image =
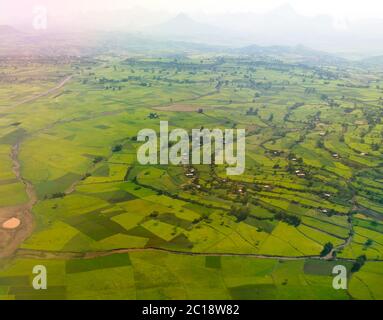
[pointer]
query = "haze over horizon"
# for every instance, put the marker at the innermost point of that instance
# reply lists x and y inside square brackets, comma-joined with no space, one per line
[333,26]
[346,9]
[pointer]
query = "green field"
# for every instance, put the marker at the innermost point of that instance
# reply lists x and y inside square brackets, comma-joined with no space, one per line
[107,227]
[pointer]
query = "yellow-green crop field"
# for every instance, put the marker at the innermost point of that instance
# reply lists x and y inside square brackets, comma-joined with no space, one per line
[107,227]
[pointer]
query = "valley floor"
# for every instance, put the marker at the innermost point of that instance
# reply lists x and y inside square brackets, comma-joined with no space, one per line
[107,227]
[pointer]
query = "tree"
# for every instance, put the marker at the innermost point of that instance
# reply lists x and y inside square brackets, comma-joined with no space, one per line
[368,243]
[320,144]
[252,112]
[58,195]
[153,115]
[289,219]
[328,247]
[360,261]
[323,97]
[241,213]
[154,214]
[97,159]
[117,148]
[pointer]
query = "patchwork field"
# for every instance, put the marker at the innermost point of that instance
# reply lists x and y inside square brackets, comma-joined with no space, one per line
[107,227]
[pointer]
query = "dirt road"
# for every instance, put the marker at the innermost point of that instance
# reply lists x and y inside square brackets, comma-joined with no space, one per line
[43,94]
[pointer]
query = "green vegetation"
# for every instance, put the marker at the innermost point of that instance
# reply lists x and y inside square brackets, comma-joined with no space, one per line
[328,247]
[313,181]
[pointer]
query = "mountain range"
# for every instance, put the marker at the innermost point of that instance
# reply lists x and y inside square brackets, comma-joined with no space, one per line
[282,26]
[281,31]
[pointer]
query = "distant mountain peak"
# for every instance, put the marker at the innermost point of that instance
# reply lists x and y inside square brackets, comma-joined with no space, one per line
[183,24]
[181,19]
[182,16]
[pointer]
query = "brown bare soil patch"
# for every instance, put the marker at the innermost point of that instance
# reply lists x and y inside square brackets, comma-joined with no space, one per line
[179,108]
[11,224]
[21,220]
[10,239]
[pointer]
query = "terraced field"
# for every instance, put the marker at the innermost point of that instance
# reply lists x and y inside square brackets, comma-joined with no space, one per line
[107,227]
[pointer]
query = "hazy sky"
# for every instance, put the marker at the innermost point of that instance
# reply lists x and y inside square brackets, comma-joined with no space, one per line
[339,30]
[351,9]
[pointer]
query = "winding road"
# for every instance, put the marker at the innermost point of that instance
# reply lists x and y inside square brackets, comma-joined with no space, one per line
[45,93]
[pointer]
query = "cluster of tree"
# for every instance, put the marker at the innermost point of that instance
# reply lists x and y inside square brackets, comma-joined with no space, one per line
[98,159]
[332,103]
[289,219]
[104,80]
[320,143]
[119,88]
[292,156]
[368,243]
[117,148]
[264,85]
[240,212]
[252,112]
[326,74]
[324,97]
[205,218]
[85,176]
[296,105]
[328,247]
[57,195]
[373,196]
[154,214]
[359,263]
